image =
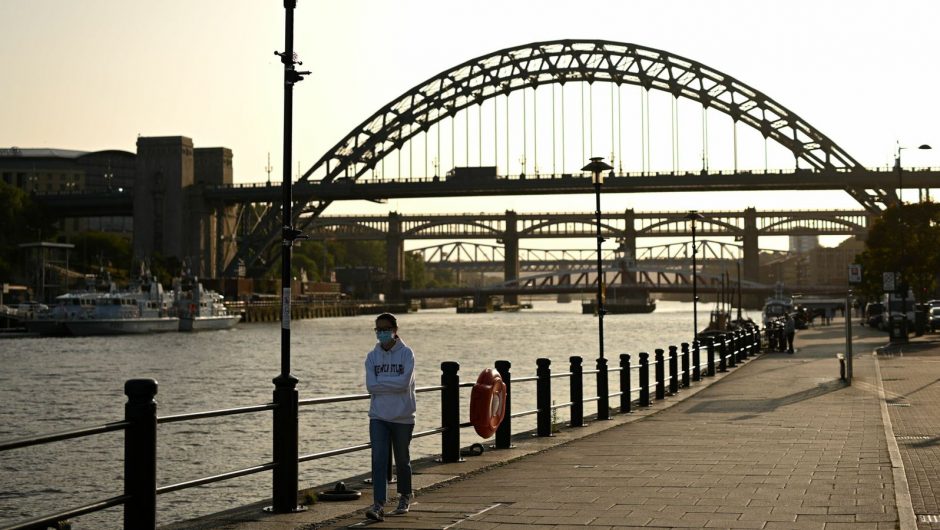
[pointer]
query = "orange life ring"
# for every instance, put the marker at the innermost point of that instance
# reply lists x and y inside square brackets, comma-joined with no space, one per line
[487,403]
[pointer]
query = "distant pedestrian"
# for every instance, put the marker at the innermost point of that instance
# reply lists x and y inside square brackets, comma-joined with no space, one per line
[390,381]
[789,328]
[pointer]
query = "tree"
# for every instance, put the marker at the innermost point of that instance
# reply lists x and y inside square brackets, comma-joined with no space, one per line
[24,221]
[904,239]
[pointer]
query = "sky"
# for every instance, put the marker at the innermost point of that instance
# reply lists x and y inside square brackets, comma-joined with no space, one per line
[95,74]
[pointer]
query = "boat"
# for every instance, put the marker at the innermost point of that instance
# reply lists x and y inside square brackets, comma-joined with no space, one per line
[51,321]
[200,309]
[622,300]
[143,308]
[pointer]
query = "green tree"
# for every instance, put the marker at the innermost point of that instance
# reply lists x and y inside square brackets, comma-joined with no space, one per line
[904,239]
[96,252]
[23,221]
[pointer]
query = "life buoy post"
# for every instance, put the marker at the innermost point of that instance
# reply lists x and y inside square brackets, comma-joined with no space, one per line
[487,403]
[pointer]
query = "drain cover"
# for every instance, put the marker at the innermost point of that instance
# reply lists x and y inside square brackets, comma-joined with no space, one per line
[928,518]
[913,437]
[899,404]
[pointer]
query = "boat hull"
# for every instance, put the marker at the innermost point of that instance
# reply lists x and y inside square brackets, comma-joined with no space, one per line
[208,323]
[47,327]
[129,326]
[620,308]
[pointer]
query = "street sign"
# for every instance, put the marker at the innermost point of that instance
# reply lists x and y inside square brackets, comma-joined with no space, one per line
[855,273]
[888,281]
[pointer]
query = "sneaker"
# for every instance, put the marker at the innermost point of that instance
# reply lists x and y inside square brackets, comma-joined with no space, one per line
[404,503]
[376,512]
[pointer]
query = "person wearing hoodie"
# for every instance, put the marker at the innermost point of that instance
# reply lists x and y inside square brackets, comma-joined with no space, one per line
[390,381]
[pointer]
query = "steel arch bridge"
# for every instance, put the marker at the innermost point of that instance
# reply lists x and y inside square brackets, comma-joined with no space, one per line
[553,62]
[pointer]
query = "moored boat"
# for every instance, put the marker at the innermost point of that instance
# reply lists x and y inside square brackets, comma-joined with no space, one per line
[143,309]
[622,301]
[200,309]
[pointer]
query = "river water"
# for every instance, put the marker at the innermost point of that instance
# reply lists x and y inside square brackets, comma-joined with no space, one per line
[52,384]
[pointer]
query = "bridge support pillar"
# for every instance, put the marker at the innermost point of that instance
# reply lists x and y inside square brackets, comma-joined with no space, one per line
[751,266]
[394,258]
[627,248]
[510,241]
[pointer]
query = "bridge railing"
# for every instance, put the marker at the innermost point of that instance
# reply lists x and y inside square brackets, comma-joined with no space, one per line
[679,368]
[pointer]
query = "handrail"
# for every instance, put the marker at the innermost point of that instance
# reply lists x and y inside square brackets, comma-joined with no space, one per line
[63,435]
[215,478]
[44,521]
[215,413]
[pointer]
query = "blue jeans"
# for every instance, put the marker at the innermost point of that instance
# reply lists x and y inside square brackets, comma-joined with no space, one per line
[381,433]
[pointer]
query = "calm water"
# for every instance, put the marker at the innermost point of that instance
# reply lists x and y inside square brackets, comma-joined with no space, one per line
[54,384]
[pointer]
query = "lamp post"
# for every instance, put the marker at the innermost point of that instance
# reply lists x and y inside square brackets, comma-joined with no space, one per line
[692,217]
[903,254]
[597,166]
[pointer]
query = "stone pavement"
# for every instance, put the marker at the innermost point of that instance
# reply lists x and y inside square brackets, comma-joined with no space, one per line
[779,442]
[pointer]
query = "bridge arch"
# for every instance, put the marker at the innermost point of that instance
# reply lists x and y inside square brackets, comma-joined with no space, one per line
[798,221]
[532,65]
[485,229]
[589,226]
[732,229]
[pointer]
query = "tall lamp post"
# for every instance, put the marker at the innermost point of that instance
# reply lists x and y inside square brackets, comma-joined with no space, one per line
[903,254]
[692,217]
[597,166]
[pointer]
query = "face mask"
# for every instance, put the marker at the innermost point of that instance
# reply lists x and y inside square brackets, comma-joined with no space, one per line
[384,336]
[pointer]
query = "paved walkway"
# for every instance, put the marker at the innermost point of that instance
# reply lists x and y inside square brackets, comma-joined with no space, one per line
[779,442]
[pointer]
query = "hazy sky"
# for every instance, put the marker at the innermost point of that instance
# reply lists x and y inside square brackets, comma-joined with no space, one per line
[93,74]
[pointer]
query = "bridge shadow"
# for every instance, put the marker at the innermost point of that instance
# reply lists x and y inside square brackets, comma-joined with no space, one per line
[751,408]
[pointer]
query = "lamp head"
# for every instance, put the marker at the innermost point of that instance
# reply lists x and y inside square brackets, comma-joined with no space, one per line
[924,146]
[693,216]
[597,167]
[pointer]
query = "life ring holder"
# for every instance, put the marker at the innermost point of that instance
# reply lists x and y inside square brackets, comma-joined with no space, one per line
[339,493]
[487,403]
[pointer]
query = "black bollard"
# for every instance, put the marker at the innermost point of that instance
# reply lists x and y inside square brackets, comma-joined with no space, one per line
[504,431]
[686,376]
[285,451]
[722,352]
[625,391]
[140,454]
[710,368]
[450,412]
[696,360]
[730,352]
[660,374]
[644,379]
[673,370]
[603,393]
[543,396]
[577,392]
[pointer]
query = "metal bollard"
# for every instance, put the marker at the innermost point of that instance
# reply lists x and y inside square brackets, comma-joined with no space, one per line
[577,392]
[673,370]
[710,369]
[686,382]
[450,412]
[140,454]
[660,374]
[285,450]
[730,352]
[504,431]
[722,351]
[625,391]
[543,396]
[696,360]
[644,379]
[603,393]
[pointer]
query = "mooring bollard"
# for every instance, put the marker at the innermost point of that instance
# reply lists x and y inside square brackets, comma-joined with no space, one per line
[730,352]
[722,353]
[504,431]
[603,393]
[140,454]
[673,370]
[710,369]
[660,374]
[577,392]
[625,392]
[450,412]
[696,360]
[644,379]
[686,376]
[543,396]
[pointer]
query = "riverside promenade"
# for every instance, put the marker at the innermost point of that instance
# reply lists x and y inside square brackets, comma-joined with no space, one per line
[778,442]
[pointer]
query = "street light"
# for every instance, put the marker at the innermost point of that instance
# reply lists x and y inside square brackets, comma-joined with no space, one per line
[597,166]
[692,217]
[903,284]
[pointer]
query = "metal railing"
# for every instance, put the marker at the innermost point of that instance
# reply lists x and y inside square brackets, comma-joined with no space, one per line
[140,419]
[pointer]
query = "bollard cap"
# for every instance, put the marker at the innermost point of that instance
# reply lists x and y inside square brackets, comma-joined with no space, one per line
[543,362]
[140,388]
[450,367]
[575,359]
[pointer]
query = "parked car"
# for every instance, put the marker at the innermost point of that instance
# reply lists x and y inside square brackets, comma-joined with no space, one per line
[874,313]
[933,320]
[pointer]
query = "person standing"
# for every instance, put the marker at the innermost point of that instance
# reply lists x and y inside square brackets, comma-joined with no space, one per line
[390,381]
[789,328]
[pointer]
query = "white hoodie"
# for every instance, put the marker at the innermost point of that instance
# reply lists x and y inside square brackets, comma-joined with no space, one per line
[390,379]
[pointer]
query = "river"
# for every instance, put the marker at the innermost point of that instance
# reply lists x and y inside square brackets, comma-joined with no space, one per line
[52,384]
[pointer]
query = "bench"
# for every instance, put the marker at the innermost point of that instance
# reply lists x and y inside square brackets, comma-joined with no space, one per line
[841,358]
